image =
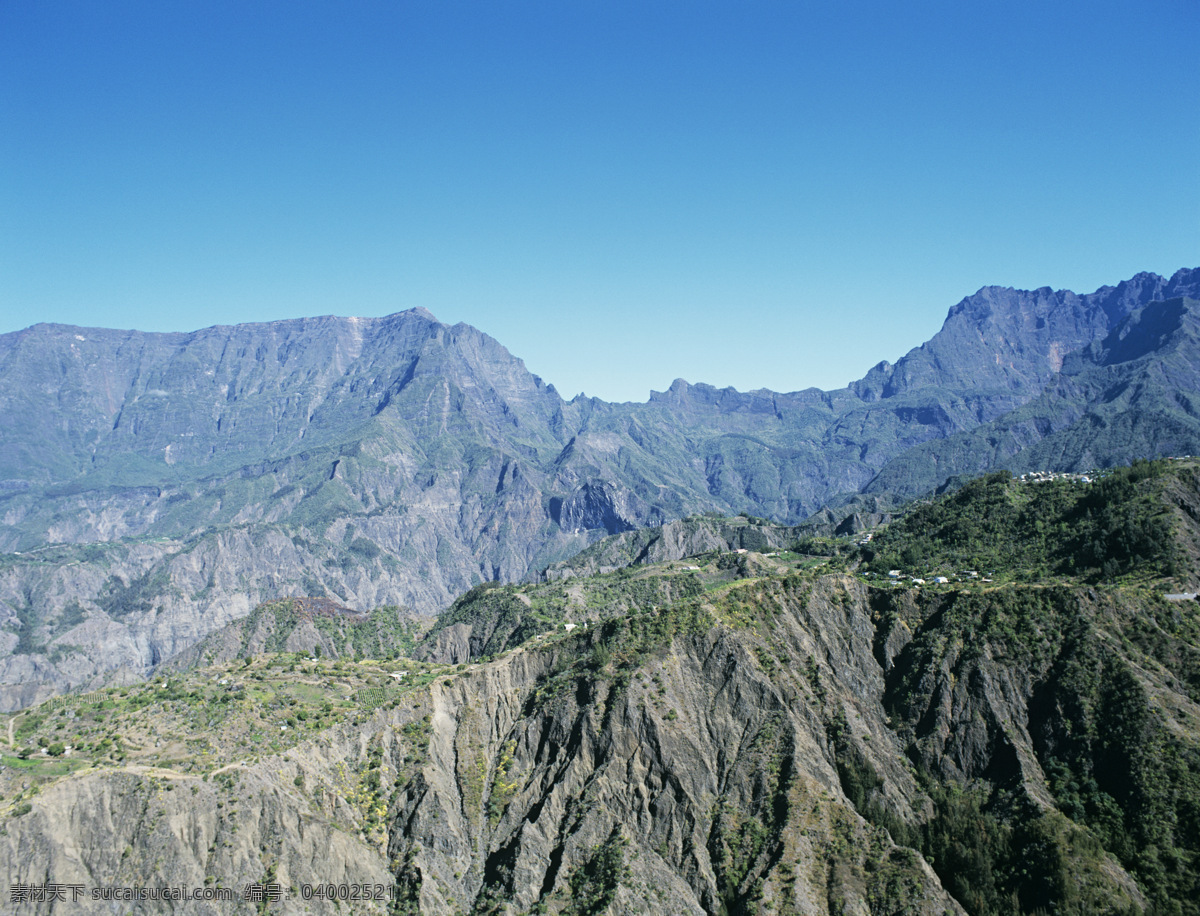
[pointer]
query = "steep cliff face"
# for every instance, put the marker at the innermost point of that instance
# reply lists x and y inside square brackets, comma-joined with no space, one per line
[723,734]
[223,397]
[797,743]
[1132,392]
[1003,339]
[148,828]
[677,775]
[78,617]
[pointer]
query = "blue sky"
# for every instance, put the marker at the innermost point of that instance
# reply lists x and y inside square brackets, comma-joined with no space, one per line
[751,193]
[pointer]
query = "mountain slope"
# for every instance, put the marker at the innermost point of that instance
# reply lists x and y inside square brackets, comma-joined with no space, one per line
[1016,340]
[730,738]
[1133,393]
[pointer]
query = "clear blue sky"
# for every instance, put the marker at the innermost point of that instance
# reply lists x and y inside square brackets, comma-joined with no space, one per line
[748,193]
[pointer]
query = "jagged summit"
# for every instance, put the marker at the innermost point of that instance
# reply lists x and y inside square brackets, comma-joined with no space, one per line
[419,312]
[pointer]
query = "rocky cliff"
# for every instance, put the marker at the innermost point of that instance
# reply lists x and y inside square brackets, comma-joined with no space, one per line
[1131,393]
[674,541]
[735,738]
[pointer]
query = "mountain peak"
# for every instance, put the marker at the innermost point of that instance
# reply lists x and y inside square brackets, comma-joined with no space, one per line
[418,312]
[1014,341]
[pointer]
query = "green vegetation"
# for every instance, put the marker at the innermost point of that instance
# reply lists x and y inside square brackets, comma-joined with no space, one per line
[1029,862]
[1126,784]
[499,619]
[209,718]
[502,792]
[120,598]
[1114,767]
[1117,526]
[1070,654]
[503,617]
[383,633]
[594,884]
[1124,776]
[739,838]
[618,648]
[822,546]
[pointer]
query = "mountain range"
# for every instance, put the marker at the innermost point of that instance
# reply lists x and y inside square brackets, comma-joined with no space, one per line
[156,487]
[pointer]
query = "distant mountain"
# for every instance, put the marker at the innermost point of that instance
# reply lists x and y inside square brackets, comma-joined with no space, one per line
[154,487]
[1134,393]
[1003,339]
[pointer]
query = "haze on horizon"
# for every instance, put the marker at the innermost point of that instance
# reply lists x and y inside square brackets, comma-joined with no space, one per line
[770,195]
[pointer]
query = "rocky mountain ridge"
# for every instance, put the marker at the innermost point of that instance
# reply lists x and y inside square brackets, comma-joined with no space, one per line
[1133,391]
[157,487]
